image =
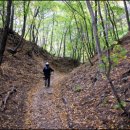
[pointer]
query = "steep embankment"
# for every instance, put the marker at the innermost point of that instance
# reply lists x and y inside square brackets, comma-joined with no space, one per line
[19,72]
[73,101]
[92,104]
[23,71]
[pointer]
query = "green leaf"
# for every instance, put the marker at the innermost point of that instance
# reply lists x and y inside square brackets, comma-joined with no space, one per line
[77,88]
[118,106]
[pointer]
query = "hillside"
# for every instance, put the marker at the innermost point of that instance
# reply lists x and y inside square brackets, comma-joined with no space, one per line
[23,71]
[72,101]
[86,45]
[92,104]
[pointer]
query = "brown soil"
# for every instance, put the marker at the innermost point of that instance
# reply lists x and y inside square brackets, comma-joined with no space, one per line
[24,72]
[94,105]
[43,105]
[72,101]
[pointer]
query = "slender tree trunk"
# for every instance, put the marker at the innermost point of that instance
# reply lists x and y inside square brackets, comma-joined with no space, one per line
[43,32]
[24,25]
[3,13]
[37,30]
[78,32]
[12,17]
[33,33]
[80,54]
[114,33]
[61,43]
[64,49]
[76,47]
[127,15]
[84,47]
[70,33]
[117,97]
[106,25]
[87,34]
[52,33]
[33,22]
[5,33]
[113,21]
[106,41]
[95,31]
[121,23]
[96,8]
[109,64]
[30,33]
[92,39]
[83,53]
[70,38]
[46,39]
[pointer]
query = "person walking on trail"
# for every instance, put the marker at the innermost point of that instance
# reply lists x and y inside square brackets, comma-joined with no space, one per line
[47,73]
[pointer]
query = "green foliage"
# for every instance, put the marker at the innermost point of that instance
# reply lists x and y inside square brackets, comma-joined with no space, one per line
[71,16]
[119,105]
[117,9]
[105,63]
[118,54]
[77,88]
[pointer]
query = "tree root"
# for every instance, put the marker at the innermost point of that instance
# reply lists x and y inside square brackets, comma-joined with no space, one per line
[4,101]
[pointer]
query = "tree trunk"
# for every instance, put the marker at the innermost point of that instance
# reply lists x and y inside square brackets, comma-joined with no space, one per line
[92,39]
[70,39]
[95,31]
[108,69]
[24,26]
[33,21]
[61,42]
[64,49]
[106,25]
[117,97]
[127,15]
[37,30]
[30,33]
[46,38]
[52,33]
[106,41]
[121,23]
[24,23]
[33,35]
[5,33]
[96,20]
[3,13]
[113,21]
[60,45]
[12,17]
[113,28]
[87,34]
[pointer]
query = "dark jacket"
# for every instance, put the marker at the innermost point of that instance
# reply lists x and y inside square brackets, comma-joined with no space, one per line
[47,71]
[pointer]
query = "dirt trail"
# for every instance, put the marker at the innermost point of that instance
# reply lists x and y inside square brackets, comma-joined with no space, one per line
[44,105]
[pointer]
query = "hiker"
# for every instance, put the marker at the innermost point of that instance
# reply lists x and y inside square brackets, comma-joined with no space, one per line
[47,73]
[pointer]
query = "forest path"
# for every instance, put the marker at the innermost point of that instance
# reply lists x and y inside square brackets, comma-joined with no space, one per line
[44,107]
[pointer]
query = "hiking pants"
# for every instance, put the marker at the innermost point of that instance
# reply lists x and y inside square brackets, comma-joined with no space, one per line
[47,81]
